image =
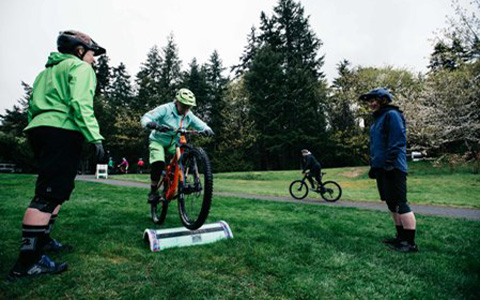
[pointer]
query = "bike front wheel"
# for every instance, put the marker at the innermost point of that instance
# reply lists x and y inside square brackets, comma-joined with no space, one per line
[195,191]
[298,189]
[331,191]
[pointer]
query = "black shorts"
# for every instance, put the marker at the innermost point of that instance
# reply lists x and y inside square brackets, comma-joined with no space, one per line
[392,186]
[57,156]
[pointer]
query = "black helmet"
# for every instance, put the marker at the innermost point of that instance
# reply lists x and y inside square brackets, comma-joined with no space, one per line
[68,40]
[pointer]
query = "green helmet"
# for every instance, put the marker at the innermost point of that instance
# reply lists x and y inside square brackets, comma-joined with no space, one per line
[186,96]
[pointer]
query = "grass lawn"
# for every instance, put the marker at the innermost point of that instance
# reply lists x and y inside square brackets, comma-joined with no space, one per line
[279,251]
[426,184]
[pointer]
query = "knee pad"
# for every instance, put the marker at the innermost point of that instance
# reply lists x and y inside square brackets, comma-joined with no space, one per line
[403,208]
[45,205]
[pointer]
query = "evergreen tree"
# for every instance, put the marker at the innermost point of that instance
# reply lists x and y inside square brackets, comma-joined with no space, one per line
[148,81]
[448,57]
[248,53]
[127,138]
[340,110]
[216,85]
[104,111]
[195,80]
[104,74]
[16,119]
[264,84]
[120,92]
[170,70]
[290,77]
[238,135]
[460,42]
[14,146]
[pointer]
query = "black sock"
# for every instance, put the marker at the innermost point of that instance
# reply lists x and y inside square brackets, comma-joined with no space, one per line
[409,236]
[32,244]
[400,232]
[49,229]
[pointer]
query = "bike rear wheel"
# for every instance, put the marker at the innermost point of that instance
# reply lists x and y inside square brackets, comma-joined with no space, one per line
[331,191]
[158,208]
[195,192]
[298,189]
[158,211]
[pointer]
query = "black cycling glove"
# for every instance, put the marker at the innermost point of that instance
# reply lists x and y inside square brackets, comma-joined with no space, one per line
[99,152]
[158,127]
[208,132]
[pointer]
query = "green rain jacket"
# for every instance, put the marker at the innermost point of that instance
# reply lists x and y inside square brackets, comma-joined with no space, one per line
[166,114]
[63,97]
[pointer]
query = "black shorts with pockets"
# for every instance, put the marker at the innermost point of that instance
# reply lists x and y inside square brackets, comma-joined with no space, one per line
[57,155]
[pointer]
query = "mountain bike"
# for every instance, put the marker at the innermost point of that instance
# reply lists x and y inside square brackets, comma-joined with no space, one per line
[329,190]
[187,178]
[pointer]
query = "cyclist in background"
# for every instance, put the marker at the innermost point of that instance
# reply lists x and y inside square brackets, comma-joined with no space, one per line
[140,164]
[163,121]
[309,162]
[110,164]
[124,165]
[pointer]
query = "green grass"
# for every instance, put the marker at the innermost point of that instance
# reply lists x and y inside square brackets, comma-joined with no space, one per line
[279,251]
[426,184]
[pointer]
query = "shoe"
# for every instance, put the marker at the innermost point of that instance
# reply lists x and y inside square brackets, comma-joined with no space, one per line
[44,266]
[405,247]
[392,241]
[55,247]
[152,197]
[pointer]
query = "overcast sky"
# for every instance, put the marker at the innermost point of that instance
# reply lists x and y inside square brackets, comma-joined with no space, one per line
[367,33]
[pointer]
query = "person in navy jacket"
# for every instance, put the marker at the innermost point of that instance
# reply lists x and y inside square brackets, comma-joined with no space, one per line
[388,165]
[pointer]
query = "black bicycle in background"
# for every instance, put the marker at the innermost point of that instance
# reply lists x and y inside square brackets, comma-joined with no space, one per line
[329,190]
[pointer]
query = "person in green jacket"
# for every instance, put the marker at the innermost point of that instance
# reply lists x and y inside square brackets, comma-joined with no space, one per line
[163,121]
[60,119]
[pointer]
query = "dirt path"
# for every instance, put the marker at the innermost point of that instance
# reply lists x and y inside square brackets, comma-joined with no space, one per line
[465,213]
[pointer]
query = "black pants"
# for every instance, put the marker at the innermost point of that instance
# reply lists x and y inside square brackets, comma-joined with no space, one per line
[57,155]
[314,173]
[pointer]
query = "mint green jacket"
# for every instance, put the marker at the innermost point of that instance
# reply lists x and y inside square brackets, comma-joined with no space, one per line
[62,97]
[167,114]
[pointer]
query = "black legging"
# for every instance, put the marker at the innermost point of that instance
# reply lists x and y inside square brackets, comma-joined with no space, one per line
[316,174]
[156,170]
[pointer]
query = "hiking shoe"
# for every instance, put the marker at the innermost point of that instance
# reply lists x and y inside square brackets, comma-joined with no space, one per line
[152,197]
[44,266]
[55,246]
[405,247]
[392,241]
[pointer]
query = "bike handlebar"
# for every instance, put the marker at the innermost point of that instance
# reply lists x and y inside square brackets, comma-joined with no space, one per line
[183,131]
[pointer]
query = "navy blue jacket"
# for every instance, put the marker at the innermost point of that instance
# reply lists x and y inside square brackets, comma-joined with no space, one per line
[388,139]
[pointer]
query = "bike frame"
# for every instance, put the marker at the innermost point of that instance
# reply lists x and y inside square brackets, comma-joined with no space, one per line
[317,184]
[175,164]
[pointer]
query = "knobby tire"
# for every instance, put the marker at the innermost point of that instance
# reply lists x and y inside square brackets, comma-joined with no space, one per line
[334,188]
[189,194]
[298,189]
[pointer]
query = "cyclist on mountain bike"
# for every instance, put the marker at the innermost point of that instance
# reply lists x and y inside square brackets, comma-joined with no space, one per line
[163,121]
[124,165]
[309,162]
